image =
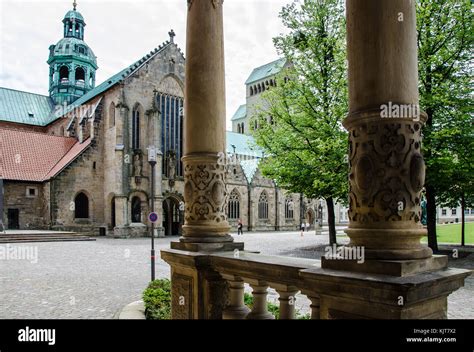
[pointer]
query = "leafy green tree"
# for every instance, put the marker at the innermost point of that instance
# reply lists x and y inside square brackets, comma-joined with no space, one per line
[445,42]
[300,120]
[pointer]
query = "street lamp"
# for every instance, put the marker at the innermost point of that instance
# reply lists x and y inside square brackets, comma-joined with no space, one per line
[152,152]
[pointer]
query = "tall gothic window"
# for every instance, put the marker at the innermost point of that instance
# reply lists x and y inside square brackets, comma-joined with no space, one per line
[172,117]
[263,206]
[136,128]
[233,207]
[289,209]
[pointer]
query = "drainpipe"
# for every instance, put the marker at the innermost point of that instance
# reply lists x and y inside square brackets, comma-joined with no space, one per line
[277,215]
[249,208]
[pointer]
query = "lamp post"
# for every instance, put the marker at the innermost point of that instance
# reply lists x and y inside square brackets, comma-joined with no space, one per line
[152,161]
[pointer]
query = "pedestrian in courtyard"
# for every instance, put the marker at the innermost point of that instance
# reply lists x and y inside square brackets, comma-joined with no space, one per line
[302,228]
[240,228]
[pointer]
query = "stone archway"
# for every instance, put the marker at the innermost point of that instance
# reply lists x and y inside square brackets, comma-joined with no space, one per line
[173,217]
[310,217]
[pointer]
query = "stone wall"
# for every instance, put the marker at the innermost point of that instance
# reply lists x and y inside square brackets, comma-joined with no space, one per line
[33,210]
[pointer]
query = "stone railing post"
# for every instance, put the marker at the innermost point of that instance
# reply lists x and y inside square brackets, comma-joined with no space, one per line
[259,308]
[236,308]
[287,300]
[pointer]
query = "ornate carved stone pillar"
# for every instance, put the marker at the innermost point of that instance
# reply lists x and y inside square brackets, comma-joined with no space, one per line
[206,228]
[204,127]
[387,170]
[386,177]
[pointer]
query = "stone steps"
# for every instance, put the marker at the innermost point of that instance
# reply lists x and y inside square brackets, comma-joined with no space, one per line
[43,237]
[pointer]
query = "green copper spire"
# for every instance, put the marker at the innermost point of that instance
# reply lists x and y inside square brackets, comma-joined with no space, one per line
[72,63]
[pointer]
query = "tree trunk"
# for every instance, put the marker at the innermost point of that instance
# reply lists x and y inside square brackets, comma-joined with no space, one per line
[463,205]
[431,218]
[331,221]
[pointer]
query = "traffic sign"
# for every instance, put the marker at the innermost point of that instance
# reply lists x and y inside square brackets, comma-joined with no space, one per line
[153,217]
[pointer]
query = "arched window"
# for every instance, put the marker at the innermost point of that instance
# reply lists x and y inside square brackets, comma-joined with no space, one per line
[136,209]
[243,127]
[64,73]
[251,90]
[136,128]
[172,130]
[233,208]
[289,209]
[263,206]
[112,114]
[259,88]
[81,206]
[80,74]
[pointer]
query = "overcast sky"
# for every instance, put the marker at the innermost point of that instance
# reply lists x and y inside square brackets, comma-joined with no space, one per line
[122,31]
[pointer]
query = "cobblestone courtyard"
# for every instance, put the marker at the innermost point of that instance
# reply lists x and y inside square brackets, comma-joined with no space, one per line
[94,280]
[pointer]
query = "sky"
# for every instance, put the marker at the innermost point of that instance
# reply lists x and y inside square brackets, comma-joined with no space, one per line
[122,31]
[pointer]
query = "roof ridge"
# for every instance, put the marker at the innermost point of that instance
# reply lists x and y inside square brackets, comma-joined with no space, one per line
[120,75]
[269,63]
[33,132]
[66,153]
[24,91]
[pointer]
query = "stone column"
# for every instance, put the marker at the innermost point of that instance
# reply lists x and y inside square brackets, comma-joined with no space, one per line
[204,127]
[387,170]
[206,228]
[398,278]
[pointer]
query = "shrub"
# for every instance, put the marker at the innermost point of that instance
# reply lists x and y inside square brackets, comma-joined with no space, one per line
[273,308]
[157,300]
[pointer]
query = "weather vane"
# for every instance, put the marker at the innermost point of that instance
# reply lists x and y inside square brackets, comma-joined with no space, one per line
[74,4]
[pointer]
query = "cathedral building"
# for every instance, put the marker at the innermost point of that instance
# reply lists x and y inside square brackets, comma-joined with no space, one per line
[77,159]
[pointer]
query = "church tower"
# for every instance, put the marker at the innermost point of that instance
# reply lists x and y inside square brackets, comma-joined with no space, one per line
[72,64]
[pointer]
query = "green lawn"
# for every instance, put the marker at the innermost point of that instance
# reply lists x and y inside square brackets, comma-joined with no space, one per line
[451,233]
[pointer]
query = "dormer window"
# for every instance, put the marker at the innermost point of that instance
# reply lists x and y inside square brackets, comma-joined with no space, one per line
[31,114]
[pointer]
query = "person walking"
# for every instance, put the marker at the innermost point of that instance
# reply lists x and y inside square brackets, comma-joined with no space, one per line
[302,229]
[240,228]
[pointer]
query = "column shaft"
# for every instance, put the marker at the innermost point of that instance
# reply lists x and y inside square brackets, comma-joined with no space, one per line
[387,168]
[204,127]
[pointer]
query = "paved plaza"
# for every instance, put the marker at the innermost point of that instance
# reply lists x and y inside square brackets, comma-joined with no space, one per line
[94,280]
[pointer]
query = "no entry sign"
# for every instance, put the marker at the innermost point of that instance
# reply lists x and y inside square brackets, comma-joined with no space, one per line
[153,217]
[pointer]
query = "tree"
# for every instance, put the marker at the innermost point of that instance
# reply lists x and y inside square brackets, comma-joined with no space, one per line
[445,41]
[300,120]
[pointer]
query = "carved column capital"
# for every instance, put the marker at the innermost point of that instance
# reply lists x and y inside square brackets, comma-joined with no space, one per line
[205,197]
[387,174]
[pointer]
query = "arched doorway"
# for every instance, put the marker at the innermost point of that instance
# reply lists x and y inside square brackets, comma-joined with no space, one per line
[172,217]
[310,217]
[136,209]
[112,214]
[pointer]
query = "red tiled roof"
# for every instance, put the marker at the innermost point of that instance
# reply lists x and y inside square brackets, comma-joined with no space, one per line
[32,156]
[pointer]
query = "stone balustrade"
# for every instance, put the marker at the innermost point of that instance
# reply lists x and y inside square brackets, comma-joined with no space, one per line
[261,272]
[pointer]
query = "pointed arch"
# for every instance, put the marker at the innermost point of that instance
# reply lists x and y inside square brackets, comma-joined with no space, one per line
[263,206]
[233,205]
[137,117]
